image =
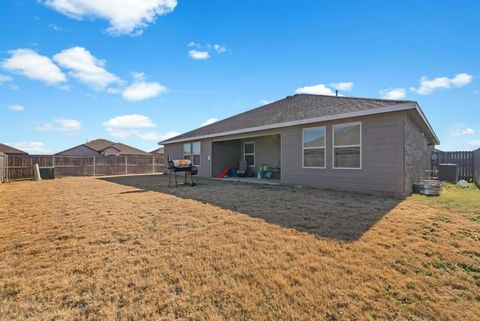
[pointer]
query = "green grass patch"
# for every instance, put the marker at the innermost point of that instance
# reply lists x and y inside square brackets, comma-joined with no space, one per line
[454,197]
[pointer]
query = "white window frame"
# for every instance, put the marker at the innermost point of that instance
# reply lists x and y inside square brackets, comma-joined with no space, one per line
[324,147]
[250,154]
[344,146]
[200,154]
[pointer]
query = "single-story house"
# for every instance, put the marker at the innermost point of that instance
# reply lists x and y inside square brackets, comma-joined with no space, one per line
[9,150]
[103,147]
[345,143]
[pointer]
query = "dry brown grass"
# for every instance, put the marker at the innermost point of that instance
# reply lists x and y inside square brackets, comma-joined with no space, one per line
[87,249]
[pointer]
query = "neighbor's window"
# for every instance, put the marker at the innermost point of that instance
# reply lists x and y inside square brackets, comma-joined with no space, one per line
[314,147]
[347,145]
[249,153]
[196,148]
[187,151]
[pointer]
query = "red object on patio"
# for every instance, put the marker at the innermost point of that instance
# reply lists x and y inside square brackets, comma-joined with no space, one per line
[224,172]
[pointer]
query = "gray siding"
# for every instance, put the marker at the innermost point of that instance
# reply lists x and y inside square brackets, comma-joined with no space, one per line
[267,150]
[175,151]
[79,151]
[476,166]
[394,154]
[382,157]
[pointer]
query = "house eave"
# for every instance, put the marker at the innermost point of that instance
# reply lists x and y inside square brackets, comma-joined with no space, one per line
[388,109]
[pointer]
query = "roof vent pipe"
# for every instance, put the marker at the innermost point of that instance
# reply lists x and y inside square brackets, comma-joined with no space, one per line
[336,93]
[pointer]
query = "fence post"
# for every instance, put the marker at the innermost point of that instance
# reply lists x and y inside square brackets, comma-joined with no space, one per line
[94,169]
[126,165]
[7,169]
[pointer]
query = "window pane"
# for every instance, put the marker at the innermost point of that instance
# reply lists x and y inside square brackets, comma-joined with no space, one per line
[186,156]
[314,137]
[196,160]
[249,148]
[186,148]
[314,157]
[250,159]
[196,148]
[348,157]
[347,134]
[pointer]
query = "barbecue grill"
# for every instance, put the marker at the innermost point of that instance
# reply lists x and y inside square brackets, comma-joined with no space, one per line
[181,165]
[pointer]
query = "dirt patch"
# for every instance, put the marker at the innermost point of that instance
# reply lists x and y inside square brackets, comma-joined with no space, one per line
[88,249]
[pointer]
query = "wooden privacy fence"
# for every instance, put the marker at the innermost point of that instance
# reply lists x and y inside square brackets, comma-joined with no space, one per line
[3,167]
[21,167]
[463,160]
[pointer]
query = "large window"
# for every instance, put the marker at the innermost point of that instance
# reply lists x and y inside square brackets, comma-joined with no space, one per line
[187,151]
[192,152]
[314,147]
[249,153]
[347,145]
[196,148]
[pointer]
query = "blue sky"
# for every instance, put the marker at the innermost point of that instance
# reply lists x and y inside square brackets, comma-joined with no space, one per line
[74,70]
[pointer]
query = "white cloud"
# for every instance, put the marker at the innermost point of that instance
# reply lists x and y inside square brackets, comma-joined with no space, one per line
[198,54]
[202,52]
[86,68]
[16,107]
[133,126]
[63,125]
[220,48]
[344,86]
[461,132]
[30,147]
[141,90]
[319,89]
[393,93]
[265,102]
[129,122]
[34,66]
[428,86]
[208,122]
[125,16]
[474,143]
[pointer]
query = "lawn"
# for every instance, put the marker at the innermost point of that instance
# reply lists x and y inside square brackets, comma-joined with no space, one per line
[128,248]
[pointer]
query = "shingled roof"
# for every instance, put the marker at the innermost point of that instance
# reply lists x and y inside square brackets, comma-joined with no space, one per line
[291,110]
[101,144]
[11,150]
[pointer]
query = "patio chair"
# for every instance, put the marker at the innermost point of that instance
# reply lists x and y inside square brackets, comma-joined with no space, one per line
[242,168]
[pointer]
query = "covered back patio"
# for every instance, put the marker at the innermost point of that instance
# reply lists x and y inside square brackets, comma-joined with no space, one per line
[260,156]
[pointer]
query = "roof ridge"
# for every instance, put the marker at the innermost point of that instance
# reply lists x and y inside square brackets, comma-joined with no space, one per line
[356,97]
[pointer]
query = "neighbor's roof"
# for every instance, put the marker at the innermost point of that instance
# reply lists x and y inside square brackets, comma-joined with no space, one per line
[10,150]
[101,144]
[297,110]
[157,151]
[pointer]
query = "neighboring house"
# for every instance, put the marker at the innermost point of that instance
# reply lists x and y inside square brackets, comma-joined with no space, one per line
[8,150]
[158,152]
[103,147]
[333,142]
